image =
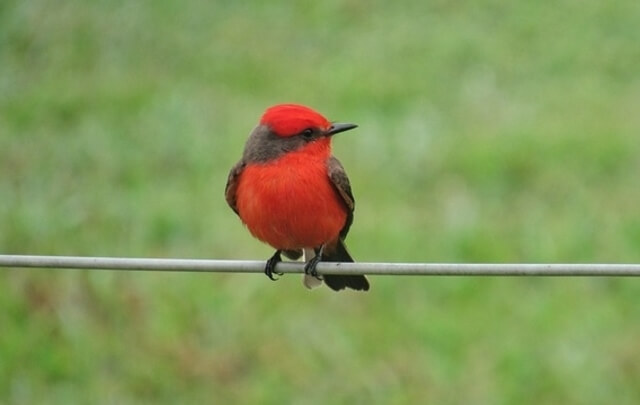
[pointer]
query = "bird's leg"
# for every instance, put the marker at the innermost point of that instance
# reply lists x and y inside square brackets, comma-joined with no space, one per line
[310,267]
[270,268]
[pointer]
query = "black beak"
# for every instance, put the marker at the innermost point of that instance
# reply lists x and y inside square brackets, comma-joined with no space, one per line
[337,127]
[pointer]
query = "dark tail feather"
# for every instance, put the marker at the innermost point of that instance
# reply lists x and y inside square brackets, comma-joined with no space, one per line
[340,282]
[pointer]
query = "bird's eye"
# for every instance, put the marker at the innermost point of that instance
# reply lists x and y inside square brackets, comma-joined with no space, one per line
[307,133]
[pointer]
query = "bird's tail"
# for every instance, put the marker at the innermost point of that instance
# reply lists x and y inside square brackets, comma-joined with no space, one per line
[339,282]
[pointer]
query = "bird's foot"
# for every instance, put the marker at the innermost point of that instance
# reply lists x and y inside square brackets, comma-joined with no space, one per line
[270,268]
[310,267]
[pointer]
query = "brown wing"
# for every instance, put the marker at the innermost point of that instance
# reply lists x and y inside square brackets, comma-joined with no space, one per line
[232,185]
[341,183]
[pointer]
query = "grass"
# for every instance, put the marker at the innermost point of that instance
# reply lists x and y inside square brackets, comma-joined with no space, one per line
[497,132]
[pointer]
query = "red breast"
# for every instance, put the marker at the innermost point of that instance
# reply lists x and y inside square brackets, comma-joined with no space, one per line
[289,202]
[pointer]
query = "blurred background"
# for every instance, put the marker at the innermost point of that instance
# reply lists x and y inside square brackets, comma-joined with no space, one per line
[489,132]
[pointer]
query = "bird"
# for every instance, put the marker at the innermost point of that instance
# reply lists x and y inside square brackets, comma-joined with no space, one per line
[293,194]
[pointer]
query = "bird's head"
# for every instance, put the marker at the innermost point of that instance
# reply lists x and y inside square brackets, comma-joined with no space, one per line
[286,120]
[291,127]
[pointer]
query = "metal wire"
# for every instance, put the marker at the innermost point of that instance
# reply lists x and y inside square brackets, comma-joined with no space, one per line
[244,266]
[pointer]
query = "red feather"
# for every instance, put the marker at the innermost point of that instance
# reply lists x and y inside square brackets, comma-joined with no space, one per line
[291,119]
[290,203]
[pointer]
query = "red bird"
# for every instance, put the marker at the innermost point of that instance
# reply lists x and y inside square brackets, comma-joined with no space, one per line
[293,194]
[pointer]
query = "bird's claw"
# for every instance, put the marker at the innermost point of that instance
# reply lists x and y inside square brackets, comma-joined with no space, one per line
[270,268]
[310,267]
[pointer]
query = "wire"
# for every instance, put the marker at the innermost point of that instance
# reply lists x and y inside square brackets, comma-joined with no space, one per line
[244,266]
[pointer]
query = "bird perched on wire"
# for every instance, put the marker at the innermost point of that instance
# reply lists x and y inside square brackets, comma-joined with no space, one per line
[292,193]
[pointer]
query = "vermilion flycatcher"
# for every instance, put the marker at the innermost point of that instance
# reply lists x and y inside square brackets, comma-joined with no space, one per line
[293,194]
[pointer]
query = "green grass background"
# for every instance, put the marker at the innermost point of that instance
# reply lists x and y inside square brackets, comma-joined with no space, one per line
[490,131]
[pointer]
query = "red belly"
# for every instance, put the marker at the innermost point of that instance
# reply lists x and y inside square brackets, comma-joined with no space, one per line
[291,203]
